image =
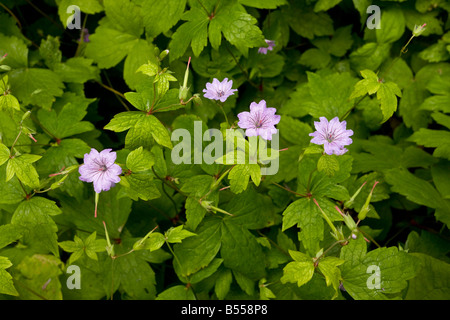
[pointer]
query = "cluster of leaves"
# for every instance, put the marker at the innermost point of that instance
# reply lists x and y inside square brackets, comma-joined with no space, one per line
[221,231]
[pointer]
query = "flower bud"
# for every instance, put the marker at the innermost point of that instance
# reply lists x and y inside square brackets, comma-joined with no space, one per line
[365,208]
[418,30]
[163,54]
[349,203]
[348,220]
[184,88]
[197,99]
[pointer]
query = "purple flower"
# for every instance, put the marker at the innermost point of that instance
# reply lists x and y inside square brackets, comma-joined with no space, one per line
[100,169]
[270,43]
[85,32]
[260,121]
[333,135]
[219,90]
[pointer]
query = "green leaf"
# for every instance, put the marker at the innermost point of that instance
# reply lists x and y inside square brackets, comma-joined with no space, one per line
[34,272]
[126,16]
[387,94]
[306,215]
[300,271]
[11,191]
[263,4]
[66,122]
[87,6]
[240,174]
[328,164]
[16,49]
[369,56]
[140,185]
[4,153]
[8,234]
[195,213]
[22,167]
[294,131]
[329,268]
[418,190]
[433,282]
[179,292]
[150,69]
[39,229]
[36,86]
[251,209]
[240,250]
[138,282]
[124,121]
[441,178]
[315,58]
[6,282]
[223,283]
[330,94]
[392,267]
[140,160]
[197,252]
[153,242]
[77,70]
[438,139]
[177,234]
[324,5]
[193,32]
[109,46]
[160,16]
[239,28]
[392,25]
[307,23]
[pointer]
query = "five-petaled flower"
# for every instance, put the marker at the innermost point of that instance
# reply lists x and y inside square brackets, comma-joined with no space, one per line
[260,121]
[219,90]
[333,135]
[99,168]
[270,44]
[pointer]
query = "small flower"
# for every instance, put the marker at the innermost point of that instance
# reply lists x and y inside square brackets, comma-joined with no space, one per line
[219,90]
[100,169]
[260,121]
[85,32]
[333,135]
[418,30]
[270,44]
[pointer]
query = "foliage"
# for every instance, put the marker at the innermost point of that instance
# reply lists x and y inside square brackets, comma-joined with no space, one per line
[369,224]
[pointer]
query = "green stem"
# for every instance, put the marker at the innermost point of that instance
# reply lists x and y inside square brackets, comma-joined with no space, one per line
[354,106]
[289,190]
[224,114]
[173,253]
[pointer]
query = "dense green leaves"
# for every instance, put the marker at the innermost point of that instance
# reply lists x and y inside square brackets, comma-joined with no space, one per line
[283,219]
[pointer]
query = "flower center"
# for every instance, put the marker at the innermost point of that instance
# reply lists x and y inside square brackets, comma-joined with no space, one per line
[220,93]
[330,137]
[102,168]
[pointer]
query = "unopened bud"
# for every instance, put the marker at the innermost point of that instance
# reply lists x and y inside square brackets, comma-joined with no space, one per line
[418,30]
[348,220]
[365,208]
[4,67]
[163,54]
[349,203]
[184,88]
[197,99]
